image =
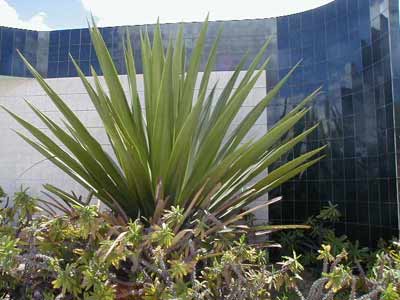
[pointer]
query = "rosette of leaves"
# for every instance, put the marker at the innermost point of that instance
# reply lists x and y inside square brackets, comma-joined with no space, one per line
[185,147]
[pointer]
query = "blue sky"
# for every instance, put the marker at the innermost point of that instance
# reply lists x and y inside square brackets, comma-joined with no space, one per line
[60,14]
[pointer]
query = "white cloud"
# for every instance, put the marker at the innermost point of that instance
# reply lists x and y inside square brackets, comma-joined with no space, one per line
[9,17]
[131,12]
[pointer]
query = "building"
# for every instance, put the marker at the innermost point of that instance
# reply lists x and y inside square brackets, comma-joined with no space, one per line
[349,47]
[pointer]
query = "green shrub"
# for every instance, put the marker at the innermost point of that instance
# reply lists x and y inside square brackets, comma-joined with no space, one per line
[183,148]
[8,252]
[321,230]
[90,254]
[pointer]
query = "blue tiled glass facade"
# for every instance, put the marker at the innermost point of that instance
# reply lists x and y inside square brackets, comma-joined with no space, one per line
[346,49]
[349,47]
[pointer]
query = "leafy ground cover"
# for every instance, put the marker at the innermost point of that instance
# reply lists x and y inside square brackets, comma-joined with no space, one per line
[89,254]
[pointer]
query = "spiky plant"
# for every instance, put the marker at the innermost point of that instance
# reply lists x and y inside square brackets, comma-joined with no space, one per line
[183,151]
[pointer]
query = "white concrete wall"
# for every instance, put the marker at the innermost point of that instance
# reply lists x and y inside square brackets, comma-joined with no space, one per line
[20,164]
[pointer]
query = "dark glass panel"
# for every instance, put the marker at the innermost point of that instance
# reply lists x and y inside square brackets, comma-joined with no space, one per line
[64,38]
[351,211]
[283,32]
[339,191]
[349,168]
[19,39]
[85,67]
[84,52]
[63,54]
[108,35]
[52,70]
[54,38]
[53,53]
[294,22]
[63,69]
[348,126]
[74,50]
[75,36]
[330,11]
[72,72]
[85,36]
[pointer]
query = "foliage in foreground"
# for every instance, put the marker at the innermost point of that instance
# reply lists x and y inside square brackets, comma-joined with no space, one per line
[87,254]
[186,139]
[307,242]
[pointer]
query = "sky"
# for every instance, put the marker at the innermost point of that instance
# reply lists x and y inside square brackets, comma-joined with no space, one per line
[62,14]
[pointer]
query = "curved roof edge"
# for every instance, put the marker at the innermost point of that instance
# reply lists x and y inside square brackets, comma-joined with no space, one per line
[185,22]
